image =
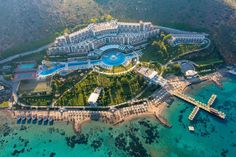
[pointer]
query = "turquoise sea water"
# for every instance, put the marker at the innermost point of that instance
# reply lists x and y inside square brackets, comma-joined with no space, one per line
[141,137]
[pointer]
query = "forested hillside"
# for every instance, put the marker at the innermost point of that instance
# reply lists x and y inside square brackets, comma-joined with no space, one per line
[218,17]
[36,21]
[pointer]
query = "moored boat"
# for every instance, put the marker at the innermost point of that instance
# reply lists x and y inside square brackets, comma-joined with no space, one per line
[232,71]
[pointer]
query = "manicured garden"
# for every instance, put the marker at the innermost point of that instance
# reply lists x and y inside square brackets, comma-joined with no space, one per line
[44,100]
[160,51]
[61,84]
[115,89]
[149,91]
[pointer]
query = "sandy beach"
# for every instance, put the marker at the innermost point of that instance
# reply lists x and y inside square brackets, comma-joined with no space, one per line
[78,118]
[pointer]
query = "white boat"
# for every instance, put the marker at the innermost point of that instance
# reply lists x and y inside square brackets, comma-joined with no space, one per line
[232,71]
[191,128]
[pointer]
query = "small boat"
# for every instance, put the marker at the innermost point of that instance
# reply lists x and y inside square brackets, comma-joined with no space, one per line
[232,71]
[191,128]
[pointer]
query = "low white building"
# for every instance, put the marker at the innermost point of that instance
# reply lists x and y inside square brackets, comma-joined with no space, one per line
[152,75]
[1,88]
[191,74]
[94,96]
[148,73]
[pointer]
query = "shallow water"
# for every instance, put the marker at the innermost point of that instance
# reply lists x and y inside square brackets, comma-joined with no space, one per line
[142,137]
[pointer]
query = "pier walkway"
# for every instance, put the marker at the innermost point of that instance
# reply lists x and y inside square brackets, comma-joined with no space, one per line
[211,100]
[193,113]
[199,105]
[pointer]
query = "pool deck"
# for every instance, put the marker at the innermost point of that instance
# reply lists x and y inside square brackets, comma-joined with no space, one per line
[75,65]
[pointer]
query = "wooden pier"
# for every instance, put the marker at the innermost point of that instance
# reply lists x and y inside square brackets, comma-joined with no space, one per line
[193,113]
[211,100]
[199,105]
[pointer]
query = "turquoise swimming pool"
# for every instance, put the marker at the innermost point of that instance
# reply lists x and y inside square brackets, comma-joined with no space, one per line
[52,70]
[114,58]
[26,66]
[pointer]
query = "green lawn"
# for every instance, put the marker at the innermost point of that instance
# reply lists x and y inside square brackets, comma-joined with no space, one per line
[149,91]
[115,89]
[4,104]
[117,69]
[210,58]
[210,61]
[162,52]
[59,87]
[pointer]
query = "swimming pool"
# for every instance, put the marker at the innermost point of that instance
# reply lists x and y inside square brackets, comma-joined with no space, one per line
[114,58]
[111,58]
[56,68]
[26,66]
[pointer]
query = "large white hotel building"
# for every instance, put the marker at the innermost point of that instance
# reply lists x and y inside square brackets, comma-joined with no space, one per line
[95,36]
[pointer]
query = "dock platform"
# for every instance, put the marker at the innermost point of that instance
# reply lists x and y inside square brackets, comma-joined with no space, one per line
[193,113]
[207,107]
[211,100]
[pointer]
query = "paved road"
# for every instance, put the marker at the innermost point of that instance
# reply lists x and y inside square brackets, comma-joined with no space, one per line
[177,31]
[25,54]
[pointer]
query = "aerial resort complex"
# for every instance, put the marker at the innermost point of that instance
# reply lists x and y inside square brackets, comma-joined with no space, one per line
[114,42]
[118,78]
[111,71]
